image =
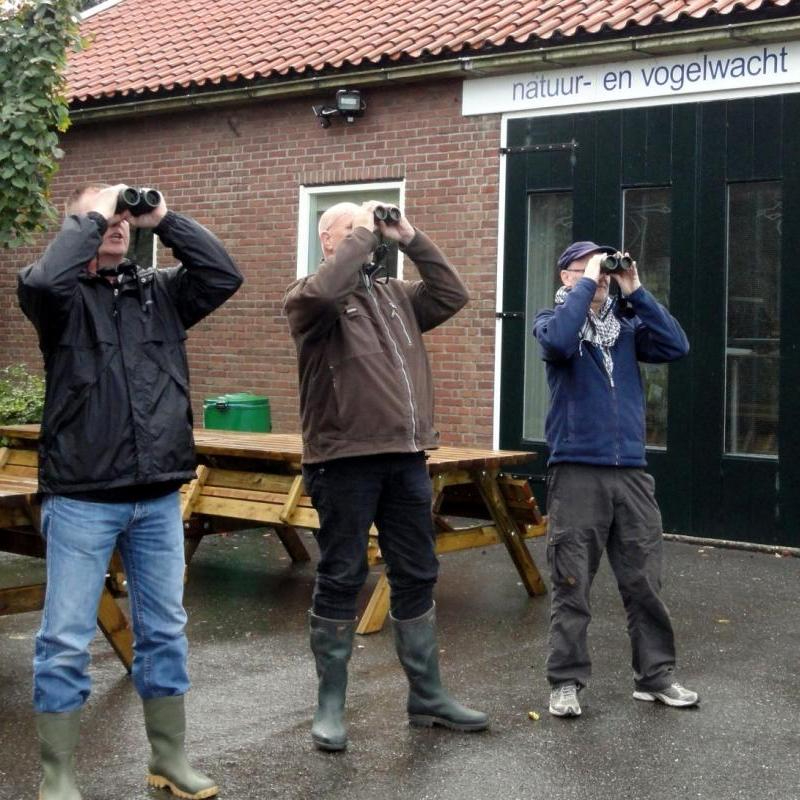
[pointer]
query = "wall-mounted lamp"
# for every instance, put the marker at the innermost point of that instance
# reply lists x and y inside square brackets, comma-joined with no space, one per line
[349,104]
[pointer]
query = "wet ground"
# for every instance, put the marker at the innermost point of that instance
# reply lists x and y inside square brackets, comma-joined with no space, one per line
[738,630]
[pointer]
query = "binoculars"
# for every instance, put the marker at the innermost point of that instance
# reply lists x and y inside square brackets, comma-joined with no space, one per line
[388,214]
[616,263]
[138,201]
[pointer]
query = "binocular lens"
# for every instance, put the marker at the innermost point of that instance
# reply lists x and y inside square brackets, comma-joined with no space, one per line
[387,214]
[138,201]
[615,263]
[151,197]
[127,199]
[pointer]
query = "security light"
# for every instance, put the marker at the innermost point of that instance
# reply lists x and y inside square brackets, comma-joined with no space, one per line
[349,104]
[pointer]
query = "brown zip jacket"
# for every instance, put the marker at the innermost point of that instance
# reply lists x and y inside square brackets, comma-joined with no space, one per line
[365,381]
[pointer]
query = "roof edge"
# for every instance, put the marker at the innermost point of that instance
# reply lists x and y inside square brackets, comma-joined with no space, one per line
[548,57]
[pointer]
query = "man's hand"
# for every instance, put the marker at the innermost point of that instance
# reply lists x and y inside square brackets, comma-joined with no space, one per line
[149,220]
[365,218]
[627,279]
[401,231]
[593,267]
[105,202]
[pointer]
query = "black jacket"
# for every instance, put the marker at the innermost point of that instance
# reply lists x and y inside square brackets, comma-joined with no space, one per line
[117,409]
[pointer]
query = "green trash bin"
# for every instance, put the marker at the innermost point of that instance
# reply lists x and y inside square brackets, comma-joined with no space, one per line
[237,412]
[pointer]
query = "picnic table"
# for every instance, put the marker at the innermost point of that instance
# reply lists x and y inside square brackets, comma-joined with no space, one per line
[247,480]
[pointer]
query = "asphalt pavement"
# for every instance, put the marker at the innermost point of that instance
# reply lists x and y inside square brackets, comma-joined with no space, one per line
[254,689]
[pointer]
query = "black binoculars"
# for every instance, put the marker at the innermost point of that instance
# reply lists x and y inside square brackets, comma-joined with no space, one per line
[616,263]
[388,214]
[138,201]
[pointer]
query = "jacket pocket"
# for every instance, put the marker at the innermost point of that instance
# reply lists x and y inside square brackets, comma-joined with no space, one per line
[402,329]
[355,335]
[565,556]
[75,371]
[315,479]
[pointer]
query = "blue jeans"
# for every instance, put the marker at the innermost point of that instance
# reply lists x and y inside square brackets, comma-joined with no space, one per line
[81,536]
[394,491]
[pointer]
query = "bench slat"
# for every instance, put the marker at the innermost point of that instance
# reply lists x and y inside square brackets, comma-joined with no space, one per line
[236,479]
[22,471]
[257,512]
[24,458]
[251,496]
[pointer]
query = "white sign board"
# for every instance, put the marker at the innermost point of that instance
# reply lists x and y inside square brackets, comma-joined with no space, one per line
[679,78]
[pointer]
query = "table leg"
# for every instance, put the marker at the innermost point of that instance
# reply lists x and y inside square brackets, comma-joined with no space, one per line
[20,599]
[292,542]
[114,625]
[377,608]
[486,481]
[116,580]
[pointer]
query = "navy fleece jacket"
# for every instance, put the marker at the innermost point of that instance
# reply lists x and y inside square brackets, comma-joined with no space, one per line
[590,421]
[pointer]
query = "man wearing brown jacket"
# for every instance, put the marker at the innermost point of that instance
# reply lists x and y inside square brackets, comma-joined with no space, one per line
[366,403]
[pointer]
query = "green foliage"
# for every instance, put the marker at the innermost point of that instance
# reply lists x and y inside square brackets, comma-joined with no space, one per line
[36,36]
[21,397]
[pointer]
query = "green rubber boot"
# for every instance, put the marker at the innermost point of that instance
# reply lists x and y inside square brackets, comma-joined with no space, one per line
[165,722]
[58,738]
[332,645]
[428,703]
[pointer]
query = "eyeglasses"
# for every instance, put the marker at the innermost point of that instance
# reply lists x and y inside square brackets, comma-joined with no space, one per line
[575,270]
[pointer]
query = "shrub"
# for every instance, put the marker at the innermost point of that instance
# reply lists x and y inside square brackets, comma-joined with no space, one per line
[21,396]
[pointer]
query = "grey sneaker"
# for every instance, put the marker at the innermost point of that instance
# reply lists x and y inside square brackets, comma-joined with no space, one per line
[564,700]
[674,695]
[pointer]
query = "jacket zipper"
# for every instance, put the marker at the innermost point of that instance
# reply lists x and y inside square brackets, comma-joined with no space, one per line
[396,314]
[616,425]
[118,320]
[402,365]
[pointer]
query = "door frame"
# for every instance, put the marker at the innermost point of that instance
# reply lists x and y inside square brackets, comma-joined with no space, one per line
[683,294]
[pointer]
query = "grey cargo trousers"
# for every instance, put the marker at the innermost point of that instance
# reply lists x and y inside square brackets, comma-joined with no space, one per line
[591,509]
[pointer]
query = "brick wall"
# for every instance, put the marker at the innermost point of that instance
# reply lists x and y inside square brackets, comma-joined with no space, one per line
[238,171]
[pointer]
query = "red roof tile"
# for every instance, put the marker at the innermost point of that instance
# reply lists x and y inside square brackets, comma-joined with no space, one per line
[164,45]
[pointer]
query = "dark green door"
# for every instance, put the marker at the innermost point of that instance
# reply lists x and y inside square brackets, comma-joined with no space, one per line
[697,194]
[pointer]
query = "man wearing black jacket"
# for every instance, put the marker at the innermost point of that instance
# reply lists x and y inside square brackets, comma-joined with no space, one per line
[116,444]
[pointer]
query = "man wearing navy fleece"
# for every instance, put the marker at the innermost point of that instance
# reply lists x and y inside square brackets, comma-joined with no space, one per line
[599,496]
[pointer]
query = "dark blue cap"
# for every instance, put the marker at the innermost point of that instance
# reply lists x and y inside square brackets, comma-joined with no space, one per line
[580,249]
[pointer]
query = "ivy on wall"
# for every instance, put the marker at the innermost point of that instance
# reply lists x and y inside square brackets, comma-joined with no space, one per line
[36,36]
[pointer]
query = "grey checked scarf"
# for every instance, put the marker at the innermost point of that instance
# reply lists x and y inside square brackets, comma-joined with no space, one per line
[601,330]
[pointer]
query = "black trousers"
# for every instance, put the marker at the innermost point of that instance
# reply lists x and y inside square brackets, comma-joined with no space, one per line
[349,494]
[591,509]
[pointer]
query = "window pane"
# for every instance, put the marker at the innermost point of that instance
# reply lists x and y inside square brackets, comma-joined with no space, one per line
[647,234]
[321,201]
[549,233]
[755,211]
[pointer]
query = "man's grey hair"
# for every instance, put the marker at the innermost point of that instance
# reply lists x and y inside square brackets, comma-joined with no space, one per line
[330,215]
